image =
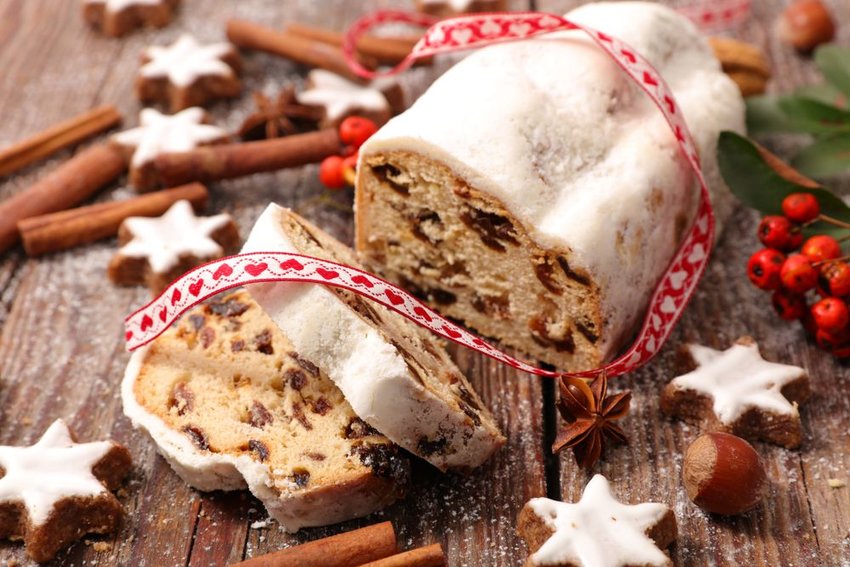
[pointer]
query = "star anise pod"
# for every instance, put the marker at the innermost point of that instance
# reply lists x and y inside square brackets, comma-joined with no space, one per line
[280,117]
[590,414]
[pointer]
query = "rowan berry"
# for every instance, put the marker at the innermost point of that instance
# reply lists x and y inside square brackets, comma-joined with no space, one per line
[831,315]
[821,247]
[355,130]
[797,274]
[834,279]
[764,268]
[788,305]
[775,231]
[801,207]
[330,172]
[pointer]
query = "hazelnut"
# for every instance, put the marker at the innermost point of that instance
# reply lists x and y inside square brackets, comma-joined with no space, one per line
[723,474]
[805,24]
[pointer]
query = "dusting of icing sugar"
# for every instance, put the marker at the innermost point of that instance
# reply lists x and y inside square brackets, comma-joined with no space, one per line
[738,379]
[178,232]
[339,96]
[53,469]
[158,133]
[185,61]
[119,5]
[598,530]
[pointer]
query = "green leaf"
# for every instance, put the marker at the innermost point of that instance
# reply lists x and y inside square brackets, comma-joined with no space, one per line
[789,113]
[834,62]
[827,156]
[824,93]
[759,186]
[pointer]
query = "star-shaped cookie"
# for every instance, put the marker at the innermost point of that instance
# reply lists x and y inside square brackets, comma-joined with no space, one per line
[187,73]
[118,17]
[56,491]
[155,251]
[739,392]
[159,134]
[339,98]
[596,531]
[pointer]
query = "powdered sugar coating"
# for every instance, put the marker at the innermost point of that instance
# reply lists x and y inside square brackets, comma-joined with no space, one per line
[178,232]
[598,530]
[53,469]
[158,133]
[576,152]
[738,379]
[185,61]
[339,96]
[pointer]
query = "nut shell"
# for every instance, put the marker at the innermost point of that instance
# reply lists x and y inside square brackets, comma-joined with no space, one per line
[805,24]
[723,474]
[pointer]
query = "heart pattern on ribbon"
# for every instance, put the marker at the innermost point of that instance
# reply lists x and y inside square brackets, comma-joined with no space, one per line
[666,305]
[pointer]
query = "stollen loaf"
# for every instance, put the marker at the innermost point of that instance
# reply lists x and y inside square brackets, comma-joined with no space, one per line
[535,193]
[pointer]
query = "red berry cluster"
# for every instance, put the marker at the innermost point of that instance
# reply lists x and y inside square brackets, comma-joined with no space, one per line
[336,172]
[791,275]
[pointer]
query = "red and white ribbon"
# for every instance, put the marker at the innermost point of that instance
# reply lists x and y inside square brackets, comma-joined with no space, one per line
[716,15]
[668,301]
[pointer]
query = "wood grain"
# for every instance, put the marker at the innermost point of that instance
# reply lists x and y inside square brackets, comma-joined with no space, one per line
[61,353]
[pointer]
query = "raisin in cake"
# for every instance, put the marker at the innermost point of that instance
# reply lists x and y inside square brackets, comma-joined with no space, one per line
[231,404]
[395,375]
[535,193]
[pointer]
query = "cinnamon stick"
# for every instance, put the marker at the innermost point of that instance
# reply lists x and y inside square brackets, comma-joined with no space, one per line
[66,229]
[388,50]
[71,183]
[225,161]
[58,137]
[429,556]
[300,49]
[349,549]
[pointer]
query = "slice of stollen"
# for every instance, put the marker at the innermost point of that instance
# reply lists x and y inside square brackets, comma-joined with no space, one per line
[395,375]
[231,405]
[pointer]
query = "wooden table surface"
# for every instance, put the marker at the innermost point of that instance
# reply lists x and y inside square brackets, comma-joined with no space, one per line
[62,354]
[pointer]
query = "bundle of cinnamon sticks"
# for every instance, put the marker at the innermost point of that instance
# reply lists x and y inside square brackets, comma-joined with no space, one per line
[372,546]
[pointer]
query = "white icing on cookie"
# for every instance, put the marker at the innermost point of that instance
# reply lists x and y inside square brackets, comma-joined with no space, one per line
[339,96]
[738,379]
[115,6]
[53,469]
[177,233]
[159,134]
[185,61]
[598,530]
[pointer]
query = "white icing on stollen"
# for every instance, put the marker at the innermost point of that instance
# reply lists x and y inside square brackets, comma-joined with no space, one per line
[559,134]
[53,469]
[163,240]
[158,134]
[115,6]
[598,530]
[339,96]
[185,61]
[738,379]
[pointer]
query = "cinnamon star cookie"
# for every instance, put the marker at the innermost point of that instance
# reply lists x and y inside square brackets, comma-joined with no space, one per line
[56,491]
[739,392]
[187,73]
